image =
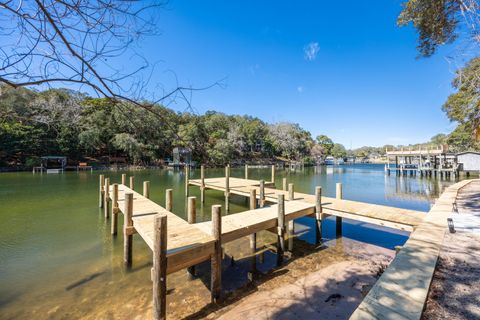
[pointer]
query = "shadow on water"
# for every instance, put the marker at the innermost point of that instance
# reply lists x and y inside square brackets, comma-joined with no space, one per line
[84,280]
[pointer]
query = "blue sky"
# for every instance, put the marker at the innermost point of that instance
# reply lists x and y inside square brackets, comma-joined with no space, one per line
[360,84]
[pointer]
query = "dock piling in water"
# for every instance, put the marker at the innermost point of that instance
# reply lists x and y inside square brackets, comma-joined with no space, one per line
[159,272]
[261,201]
[146,189]
[253,237]
[114,210]
[192,218]
[187,177]
[101,192]
[280,229]
[128,229]
[106,198]
[273,174]
[339,195]
[318,215]
[124,179]
[216,259]
[291,223]
[284,182]
[202,186]
[246,171]
[132,182]
[227,188]
[169,200]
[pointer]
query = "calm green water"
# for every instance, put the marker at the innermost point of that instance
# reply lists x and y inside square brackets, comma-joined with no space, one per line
[58,260]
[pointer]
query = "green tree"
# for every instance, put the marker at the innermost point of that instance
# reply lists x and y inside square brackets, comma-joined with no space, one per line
[438,21]
[339,151]
[326,143]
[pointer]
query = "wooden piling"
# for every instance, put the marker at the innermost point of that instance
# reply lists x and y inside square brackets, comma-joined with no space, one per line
[100,190]
[124,179]
[246,171]
[339,195]
[284,182]
[132,182]
[114,210]
[273,174]
[280,229]
[261,201]
[187,177]
[202,187]
[227,188]
[192,218]
[291,223]
[159,272]
[106,198]
[128,229]
[146,189]
[318,215]
[169,200]
[291,191]
[216,259]
[253,237]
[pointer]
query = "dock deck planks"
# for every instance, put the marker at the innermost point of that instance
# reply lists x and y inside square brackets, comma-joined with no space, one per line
[392,217]
[242,224]
[186,244]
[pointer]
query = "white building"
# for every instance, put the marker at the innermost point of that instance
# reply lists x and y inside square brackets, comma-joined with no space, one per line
[469,161]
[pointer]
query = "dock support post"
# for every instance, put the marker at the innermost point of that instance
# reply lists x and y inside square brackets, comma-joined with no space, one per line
[124,179]
[339,195]
[253,238]
[146,189]
[159,274]
[114,210]
[291,223]
[100,190]
[318,215]
[280,229]
[216,259]
[106,198]
[192,218]
[246,171]
[202,187]
[273,174]
[284,182]
[169,200]
[128,229]
[261,201]
[187,176]
[132,182]
[227,187]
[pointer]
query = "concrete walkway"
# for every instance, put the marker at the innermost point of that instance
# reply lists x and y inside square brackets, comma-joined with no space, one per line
[454,293]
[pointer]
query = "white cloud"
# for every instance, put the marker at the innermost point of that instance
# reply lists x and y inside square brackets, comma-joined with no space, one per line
[300,89]
[310,51]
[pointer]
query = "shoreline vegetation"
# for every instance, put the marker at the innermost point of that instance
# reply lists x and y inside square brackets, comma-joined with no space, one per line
[105,133]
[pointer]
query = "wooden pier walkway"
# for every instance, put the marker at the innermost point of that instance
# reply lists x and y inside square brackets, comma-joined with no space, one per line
[184,244]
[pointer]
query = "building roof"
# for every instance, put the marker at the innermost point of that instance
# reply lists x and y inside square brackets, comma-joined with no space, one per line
[465,152]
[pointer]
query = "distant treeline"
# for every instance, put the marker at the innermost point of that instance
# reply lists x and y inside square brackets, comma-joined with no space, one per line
[72,124]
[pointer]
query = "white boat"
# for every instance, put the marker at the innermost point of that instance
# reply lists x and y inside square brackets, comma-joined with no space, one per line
[329,161]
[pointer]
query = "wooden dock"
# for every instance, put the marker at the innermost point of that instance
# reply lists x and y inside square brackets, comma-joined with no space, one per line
[178,244]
